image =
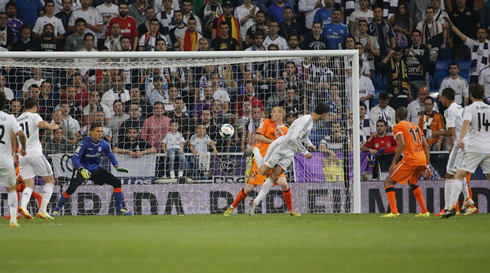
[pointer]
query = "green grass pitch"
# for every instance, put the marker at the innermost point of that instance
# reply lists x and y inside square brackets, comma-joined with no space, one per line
[240,243]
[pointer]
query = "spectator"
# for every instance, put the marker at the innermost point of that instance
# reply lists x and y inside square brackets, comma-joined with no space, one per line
[49,18]
[289,26]
[47,42]
[432,34]
[383,111]
[431,121]
[458,84]
[166,18]
[485,16]
[12,21]
[199,146]
[135,98]
[113,42]
[220,93]
[157,93]
[76,41]
[65,14]
[47,100]
[107,11]
[207,102]
[361,14]
[173,94]
[365,122]
[276,98]
[380,140]
[366,88]
[223,41]
[383,32]
[439,14]
[7,91]
[319,79]
[291,103]
[371,45]
[93,107]
[117,92]
[135,120]
[260,24]
[34,92]
[243,122]
[159,5]
[309,7]
[332,144]
[58,144]
[416,108]
[249,129]
[213,127]
[117,119]
[417,9]
[249,91]
[398,82]
[208,14]
[233,24]
[315,41]
[69,96]
[67,120]
[245,14]
[293,44]
[324,15]
[418,60]
[366,70]
[274,37]
[181,117]
[28,11]
[189,40]
[155,128]
[145,27]
[466,21]
[93,19]
[276,11]
[178,30]
[128,25]
[335,104]
[6,33]
[187,11]
[98,118]
[480,49]
[37,79]
[67,132]
[137,11]
[88,43]
[402,24]
[147,41]
[133,145]
[173,145]
[335,32]
[25,43]
[15,107]
[484,79]
[217,117]
[81,92]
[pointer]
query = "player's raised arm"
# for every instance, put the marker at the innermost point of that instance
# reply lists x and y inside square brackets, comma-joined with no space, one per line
[47,126]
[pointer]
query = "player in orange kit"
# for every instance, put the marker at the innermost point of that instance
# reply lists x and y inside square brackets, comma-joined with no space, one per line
[415,161]
[268,131]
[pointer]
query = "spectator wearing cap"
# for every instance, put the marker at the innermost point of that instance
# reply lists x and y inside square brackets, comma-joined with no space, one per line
[233,24]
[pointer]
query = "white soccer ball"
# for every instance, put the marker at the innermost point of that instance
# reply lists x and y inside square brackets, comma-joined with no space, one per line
[226,131]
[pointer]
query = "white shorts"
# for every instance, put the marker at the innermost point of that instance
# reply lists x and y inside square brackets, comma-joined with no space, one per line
[278,154]
[455,160]
[7,176]
[31,166]
[472,160]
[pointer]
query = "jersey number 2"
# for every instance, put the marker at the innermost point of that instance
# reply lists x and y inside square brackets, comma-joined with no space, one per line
[2,132]
[413,132]
[25,128]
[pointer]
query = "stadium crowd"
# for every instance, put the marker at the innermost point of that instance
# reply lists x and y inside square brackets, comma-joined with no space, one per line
[410,51]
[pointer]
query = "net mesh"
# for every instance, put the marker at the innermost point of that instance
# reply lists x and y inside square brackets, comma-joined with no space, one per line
[136,98]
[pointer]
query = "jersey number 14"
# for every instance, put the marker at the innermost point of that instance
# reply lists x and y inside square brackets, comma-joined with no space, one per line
[482,122]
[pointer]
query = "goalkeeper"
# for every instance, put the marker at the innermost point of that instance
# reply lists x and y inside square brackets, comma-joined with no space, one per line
[86,165]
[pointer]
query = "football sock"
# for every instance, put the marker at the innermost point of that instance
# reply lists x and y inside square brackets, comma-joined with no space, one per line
[13,202]
[288,198]
[420,199]
[118,199]
[447,193]
[47,192]
[390,193]
[258,157]
[26,197]
[264,190]
[466,194]
[456,191]
[239,198]
[38,198]
[470,193]
[65,197]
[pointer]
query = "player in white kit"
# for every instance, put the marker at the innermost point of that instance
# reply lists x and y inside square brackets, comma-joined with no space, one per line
[9,128]
[281,152]
[454,122]
[34,163]
[476,122]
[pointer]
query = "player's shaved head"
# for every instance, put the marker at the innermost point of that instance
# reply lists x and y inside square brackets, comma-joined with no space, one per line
[3,100]
[477,91]
[401,113]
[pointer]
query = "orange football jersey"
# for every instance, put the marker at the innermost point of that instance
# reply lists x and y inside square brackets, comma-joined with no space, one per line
[413,154]
[270,130]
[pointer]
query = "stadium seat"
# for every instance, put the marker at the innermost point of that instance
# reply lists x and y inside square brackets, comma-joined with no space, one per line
[441,72]
[464,69]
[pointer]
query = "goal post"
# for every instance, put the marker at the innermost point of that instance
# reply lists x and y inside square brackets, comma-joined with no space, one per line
[191,73]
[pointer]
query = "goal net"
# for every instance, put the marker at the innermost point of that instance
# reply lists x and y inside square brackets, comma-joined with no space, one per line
[186,167]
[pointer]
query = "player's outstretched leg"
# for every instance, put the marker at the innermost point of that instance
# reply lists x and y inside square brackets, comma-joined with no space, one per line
[266,187]
[76,180]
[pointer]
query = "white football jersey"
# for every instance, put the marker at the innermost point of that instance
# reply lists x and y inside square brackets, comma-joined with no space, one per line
[298,134]
[484,79]
[7,124]
[29,123]
[201,145]
[478,113]
[173,141]
[460,87]
[454,119]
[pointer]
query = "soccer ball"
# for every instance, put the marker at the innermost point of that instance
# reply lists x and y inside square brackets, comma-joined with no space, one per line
[226,131]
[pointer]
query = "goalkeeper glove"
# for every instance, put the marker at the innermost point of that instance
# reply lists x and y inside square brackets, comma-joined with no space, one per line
[122,170]
[85,173]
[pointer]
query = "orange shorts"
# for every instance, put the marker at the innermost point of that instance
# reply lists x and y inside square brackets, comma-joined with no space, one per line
[404,173]
[256,178]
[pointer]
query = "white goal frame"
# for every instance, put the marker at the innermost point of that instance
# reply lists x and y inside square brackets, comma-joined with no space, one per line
[354,54]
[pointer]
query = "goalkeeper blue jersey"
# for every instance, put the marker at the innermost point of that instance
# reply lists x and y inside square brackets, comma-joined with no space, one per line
[88,153]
